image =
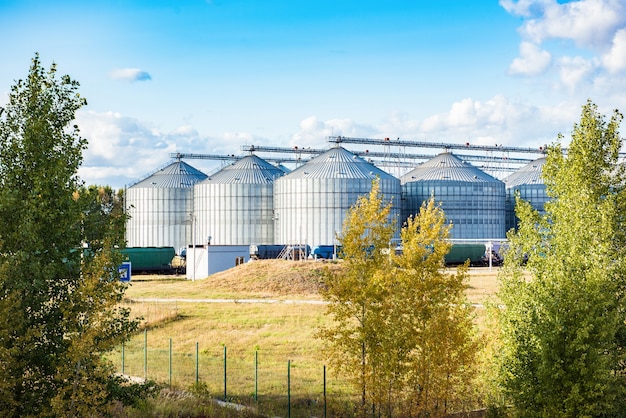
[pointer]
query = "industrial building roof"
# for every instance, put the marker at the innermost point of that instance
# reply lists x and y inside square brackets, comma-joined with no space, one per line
[248,170]
[338,163]
[447,167]
[529,174]
[176,175]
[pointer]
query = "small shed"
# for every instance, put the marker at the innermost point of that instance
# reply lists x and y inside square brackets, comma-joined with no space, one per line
[204,260]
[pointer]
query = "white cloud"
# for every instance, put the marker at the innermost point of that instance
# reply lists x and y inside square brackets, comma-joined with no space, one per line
[498,120]
[239,138]
[532,60]
[573,70]
[314,133]
[119,147]
[185,130]
[591,35]
[515,7]
[588,23]
[615,60]
[130,74]
[122,149]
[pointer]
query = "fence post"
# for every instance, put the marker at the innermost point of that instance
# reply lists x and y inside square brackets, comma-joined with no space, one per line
[170,368]
[122,357]
[256,375]
[225,397]
[145,353]
[288,388]
[197,363]
[324,391]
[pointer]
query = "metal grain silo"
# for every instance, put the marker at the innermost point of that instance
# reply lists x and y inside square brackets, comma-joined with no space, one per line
[235,205]
[311,202]
[160,207]
[472,200]
[529,183]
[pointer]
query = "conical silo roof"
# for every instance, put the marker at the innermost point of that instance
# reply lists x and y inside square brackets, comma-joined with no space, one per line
[447,166]
[179,174]
[529,174]
[286,170]
[338,163]
[248,170]
[311,203]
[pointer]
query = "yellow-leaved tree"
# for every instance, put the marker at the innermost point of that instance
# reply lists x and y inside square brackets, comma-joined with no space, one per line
[435,343]
[402,329]
[357,295]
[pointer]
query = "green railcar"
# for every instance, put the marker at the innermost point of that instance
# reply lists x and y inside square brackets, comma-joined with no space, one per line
[461,252]
[150,259]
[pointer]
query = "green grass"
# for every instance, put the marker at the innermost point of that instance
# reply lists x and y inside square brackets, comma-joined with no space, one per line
[278,332]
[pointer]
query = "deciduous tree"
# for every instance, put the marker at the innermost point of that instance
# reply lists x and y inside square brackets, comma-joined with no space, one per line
[103,216]
[356,295]
[58,304]
[562,290]
[402,329]
[435,348]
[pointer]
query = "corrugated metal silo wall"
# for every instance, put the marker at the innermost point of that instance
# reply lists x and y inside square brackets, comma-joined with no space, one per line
[535,194]
[476,209]
[312,211]
[160,217]
[234,214]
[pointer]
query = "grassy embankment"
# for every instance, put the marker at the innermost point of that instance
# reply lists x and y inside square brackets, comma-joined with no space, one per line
[279,331]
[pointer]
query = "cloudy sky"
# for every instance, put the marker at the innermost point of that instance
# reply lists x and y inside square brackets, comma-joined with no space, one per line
[211,76]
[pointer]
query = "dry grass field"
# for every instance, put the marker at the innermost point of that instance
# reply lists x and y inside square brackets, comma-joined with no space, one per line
[271,279]
[267,308]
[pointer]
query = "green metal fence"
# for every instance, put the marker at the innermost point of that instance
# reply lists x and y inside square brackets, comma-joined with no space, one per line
[285,390]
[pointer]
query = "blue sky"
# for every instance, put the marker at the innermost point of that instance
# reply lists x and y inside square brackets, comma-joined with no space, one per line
[210,76]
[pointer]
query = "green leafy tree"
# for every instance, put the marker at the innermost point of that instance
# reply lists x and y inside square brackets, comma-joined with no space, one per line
[402,329]
[563,322]
[103,216]
[58,303]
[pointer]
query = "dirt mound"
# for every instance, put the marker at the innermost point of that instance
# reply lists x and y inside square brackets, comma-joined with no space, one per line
[274,277]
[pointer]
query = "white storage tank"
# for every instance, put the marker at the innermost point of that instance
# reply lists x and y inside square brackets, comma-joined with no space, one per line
[235,205]
[527,181]
[160,207]
[311,202]
[473,201]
